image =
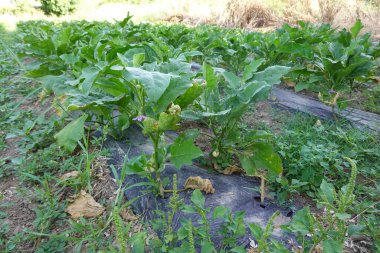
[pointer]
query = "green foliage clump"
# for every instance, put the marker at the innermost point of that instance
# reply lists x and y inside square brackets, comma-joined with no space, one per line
[372,99]
[58,7]
[312,152]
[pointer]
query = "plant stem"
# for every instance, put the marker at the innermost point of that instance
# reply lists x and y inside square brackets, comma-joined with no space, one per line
[157,165]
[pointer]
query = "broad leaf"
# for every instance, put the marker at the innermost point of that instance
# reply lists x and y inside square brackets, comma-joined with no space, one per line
[356,28]
[265,157]
[209,76]
[256,230]
[89,75]
[138,59]
[247,164]
[198,199]
[177,87]
[327,192]
[301,222]
[251,68]
[232,80]
[155,83]
[271,75]
[69,136]
[189,96]
[183,151]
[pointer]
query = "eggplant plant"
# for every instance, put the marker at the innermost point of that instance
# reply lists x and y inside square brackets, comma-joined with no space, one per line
[221,107]
[336,66]
[157,87]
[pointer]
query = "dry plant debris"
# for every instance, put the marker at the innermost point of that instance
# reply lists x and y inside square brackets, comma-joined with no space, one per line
[127,214]
[85,206]
[71,174]
[199,183]
[247,14]
[232,169]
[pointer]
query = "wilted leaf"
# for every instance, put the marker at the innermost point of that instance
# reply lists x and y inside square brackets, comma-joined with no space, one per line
[289,83]
[232,169]
[71,174]
[127,214]
[199,183]
[85,206]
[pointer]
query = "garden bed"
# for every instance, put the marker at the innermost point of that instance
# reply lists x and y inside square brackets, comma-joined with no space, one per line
[236,192]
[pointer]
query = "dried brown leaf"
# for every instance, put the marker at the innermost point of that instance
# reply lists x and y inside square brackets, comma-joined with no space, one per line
[199,183]
[289,83]
[71,174]
[232,169]
[85,206]
[127,214]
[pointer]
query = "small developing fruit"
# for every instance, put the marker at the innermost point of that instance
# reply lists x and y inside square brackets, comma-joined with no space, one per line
[174,109]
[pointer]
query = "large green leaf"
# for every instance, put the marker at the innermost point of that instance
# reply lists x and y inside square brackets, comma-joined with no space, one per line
[69,136]
[57,84]
[265,157]
[302,222]
[247,164]
[232,80]
[89,76]
[155,83]
[355,29]
[251,68]
[177,87]
[198,199]
[189,96]
[192,115]
[183,151]
[327,192]
[209,76]
[271,75]
[260,155]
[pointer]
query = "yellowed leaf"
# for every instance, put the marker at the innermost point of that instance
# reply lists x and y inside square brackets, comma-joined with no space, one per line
[232,169]
[289,83]
[199,183]
[85,206]
[127,214]
[318,123]
[71,174]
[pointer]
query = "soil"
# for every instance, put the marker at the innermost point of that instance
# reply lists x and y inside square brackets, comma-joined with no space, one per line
[19,213]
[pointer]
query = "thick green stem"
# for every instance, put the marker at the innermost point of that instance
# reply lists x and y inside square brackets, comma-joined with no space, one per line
[156,140]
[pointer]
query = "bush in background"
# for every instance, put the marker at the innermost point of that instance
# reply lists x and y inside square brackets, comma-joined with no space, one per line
[58,7]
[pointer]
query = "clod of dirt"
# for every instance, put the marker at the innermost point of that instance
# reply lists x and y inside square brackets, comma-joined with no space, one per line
[71,174]
[85,206]
[199,183]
